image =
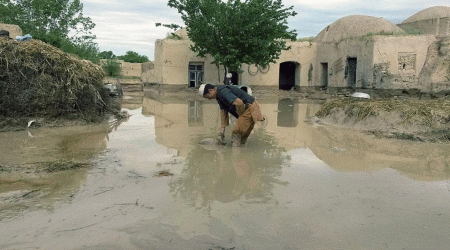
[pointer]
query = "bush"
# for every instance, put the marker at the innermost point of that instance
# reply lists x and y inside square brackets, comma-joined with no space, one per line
[112,67]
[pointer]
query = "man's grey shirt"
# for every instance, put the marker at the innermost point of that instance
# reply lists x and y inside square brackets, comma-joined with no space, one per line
[227,94]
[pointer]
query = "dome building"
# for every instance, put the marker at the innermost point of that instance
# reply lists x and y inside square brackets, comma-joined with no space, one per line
[368,52]
[356,26]
[434,20]
[354,52]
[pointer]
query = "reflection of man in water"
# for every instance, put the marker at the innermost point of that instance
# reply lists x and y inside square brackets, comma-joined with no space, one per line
[236,177]
[241,105]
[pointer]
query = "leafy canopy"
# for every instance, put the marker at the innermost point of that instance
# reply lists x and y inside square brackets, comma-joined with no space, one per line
[106,55]
[133,57]
[112,67]
[235,32]
[58,22]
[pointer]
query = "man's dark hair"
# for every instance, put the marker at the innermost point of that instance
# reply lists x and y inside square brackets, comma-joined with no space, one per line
[207,88]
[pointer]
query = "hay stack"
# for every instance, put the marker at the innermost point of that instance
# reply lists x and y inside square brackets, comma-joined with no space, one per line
[37,79]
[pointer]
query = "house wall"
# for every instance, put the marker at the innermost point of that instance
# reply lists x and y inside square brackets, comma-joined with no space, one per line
[172,58]
[127,68]
[131,69]
[301,53]
[149,74]
[398,61]
[336,55]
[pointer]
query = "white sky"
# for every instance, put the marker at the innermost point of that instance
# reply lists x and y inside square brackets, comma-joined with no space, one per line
[130,25]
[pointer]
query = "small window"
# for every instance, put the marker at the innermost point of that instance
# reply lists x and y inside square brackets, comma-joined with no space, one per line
[195,74]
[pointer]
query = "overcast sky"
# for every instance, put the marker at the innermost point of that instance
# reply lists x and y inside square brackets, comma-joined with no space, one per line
[130,25]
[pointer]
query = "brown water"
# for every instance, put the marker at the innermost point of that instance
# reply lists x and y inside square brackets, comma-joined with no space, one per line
[293,186]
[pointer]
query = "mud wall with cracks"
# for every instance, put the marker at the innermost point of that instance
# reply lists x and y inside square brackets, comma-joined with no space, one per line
[435,76]
[398,60]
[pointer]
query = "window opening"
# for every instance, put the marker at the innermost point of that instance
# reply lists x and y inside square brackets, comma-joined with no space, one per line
[196,71]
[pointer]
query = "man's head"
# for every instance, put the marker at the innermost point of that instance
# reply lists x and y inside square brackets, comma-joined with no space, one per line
[208,91]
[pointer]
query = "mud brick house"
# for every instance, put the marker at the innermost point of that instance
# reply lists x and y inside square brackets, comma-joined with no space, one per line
[353,52]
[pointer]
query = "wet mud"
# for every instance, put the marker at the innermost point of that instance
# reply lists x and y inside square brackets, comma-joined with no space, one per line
[157,181]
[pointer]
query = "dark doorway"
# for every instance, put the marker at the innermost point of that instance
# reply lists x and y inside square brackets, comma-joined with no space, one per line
[287,115]
[351,74]
[324,78]
[234,78]
[287,75]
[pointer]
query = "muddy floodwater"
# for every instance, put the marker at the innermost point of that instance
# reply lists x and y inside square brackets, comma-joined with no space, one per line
[155,181]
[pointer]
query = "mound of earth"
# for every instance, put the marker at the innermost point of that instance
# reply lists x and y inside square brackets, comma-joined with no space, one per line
[412,119]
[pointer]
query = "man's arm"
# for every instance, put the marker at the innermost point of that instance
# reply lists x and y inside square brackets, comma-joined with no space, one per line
[240,106]
[224,122]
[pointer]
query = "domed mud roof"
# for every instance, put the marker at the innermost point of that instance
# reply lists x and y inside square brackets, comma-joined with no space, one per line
[429,13]
[355,26]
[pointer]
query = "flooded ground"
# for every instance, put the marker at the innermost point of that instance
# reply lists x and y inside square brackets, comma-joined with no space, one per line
[293,186]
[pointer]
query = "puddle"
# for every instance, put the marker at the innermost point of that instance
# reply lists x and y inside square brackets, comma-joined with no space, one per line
[156,182]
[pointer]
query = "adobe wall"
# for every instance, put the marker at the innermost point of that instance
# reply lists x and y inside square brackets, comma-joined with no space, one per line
[301,53]
[14,30]
[435,74]
[173,61]
[172,58]
[335,55]
[398,60]
[149,74]
[128,69]
[131,69]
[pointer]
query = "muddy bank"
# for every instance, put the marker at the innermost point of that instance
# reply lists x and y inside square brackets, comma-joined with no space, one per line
[400,118]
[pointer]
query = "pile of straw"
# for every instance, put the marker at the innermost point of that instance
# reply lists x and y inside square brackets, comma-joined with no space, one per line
[37,79]
[429,113]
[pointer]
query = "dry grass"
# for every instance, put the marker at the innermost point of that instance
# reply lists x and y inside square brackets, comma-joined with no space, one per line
[432,112]
[424,118]
[39,79]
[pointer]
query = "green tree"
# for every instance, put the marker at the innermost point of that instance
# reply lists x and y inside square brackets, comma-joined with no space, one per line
[58,22]
[235,32]
[112,67]
[106,55]
[133,57]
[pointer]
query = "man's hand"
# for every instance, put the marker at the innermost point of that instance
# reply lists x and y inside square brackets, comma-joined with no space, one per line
[221,138]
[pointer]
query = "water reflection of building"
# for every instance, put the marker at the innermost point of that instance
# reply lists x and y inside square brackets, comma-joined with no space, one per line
[222,173]
[179,122]
[286,121]
[133,100]
[182,124]
[287,113]
[348,151]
